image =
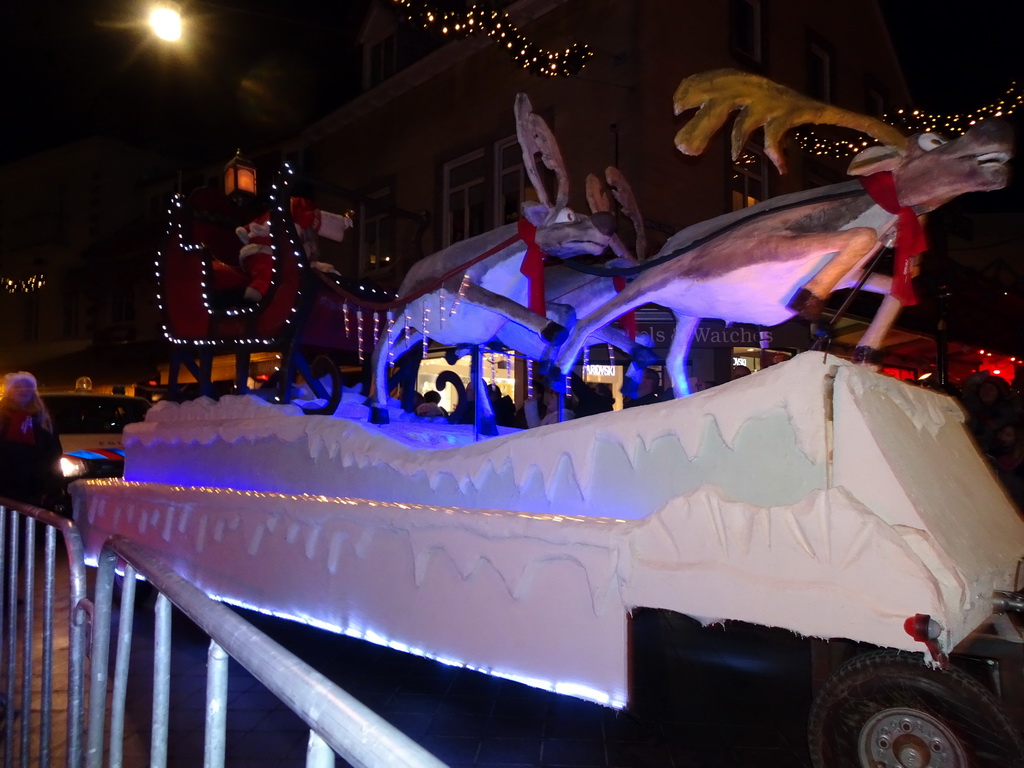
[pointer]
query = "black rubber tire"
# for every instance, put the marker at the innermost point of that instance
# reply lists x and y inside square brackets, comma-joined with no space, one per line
[873,683]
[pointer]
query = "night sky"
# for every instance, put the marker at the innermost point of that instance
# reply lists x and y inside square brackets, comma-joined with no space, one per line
[73,68]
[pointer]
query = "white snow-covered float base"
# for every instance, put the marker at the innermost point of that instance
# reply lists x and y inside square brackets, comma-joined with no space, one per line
[815,496]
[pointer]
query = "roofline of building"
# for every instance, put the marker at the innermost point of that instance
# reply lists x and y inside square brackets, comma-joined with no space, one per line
[441,60]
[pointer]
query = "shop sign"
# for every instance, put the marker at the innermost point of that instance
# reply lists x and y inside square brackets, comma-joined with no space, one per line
[711,335]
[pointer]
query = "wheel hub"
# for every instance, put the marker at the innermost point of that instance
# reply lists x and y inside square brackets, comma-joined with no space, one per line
[908,738]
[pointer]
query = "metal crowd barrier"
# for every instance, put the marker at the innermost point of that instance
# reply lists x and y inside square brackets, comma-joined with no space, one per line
[339,725]
[45,624]
[33,642]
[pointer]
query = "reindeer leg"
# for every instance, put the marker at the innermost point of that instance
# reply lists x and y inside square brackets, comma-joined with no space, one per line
[640,359]
[628,299]
[550,331]
[869,350]
[483,416]
[675,363]
[881,284]
[381,353]
[850,247]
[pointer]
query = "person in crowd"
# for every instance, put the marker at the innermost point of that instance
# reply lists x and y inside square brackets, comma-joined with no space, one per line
[430,407]
[539,406]
[502,406]
[1007,456]
[649,391]
[990,405]
[30,448]
[739,371]
[533,407]
[591,398]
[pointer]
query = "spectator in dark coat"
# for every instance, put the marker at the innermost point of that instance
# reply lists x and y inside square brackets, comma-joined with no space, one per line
[30,448]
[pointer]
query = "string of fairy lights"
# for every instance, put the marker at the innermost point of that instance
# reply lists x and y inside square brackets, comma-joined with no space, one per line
[23,285]
[815,142]
[497,26]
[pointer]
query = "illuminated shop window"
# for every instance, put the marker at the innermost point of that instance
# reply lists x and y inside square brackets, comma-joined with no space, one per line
[747,182]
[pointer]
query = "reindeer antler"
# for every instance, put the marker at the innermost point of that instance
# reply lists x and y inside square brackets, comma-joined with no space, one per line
[598,199]
[760,102]
[623,193]
[597,195]
[536,138]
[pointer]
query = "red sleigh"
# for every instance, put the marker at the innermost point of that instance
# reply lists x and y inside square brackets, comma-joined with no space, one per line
[315,319]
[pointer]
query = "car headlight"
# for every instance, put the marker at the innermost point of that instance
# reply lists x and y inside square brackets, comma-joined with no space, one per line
[71,466]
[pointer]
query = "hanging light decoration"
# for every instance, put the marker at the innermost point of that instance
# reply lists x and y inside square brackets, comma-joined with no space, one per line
[239,178]
[497,26]
[23,285]
[818,143]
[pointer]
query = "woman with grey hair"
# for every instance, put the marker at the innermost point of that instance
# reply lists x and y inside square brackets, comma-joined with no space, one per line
[30,448]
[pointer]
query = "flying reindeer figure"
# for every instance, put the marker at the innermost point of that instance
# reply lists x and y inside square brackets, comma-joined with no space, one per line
[467,293]
[782,257]
[570,293]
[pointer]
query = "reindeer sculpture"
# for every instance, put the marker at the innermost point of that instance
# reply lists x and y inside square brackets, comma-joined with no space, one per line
[467,293]
[570,293]
[769,262]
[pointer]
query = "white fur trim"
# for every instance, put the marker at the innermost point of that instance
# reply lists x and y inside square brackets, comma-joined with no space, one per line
[248,250]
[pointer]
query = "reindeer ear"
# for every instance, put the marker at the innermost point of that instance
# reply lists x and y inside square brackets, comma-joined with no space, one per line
[873,160]
[536,213]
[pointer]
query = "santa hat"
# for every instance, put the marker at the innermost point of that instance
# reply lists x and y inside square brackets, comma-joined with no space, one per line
[19,377]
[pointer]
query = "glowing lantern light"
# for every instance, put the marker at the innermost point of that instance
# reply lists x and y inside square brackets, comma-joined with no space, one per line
[239,178]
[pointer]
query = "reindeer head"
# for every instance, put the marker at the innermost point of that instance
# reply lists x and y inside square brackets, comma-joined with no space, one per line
[932,171]
[599,197]
[928,170]
[561,232]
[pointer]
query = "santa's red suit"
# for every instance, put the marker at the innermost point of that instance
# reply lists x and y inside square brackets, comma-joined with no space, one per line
[256,257]
[255,269]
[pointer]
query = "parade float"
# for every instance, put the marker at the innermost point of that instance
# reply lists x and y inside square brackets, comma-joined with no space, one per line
[817,496]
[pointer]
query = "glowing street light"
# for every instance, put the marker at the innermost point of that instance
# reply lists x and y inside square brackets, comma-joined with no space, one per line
[165,20]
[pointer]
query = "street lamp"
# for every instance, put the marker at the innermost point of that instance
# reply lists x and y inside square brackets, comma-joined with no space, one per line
[165,20]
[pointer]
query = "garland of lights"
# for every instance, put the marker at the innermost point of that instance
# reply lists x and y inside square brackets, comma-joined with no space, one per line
[913,121]
[499,28]
[24,285]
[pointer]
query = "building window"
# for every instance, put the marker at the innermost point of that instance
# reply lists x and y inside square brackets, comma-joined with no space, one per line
[31,326]
[463,188]
[747,181]
[819,71]
[122,306]
[510,187]
[876,104]
[382,60]
[70,318]
[379,45]
[376,235]
[748,30]
[817,175]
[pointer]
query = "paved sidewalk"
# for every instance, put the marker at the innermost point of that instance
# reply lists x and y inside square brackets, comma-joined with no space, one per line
[717,700]
[707,699]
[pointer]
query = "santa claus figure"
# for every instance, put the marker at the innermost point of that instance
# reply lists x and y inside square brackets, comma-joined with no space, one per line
[256,256]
